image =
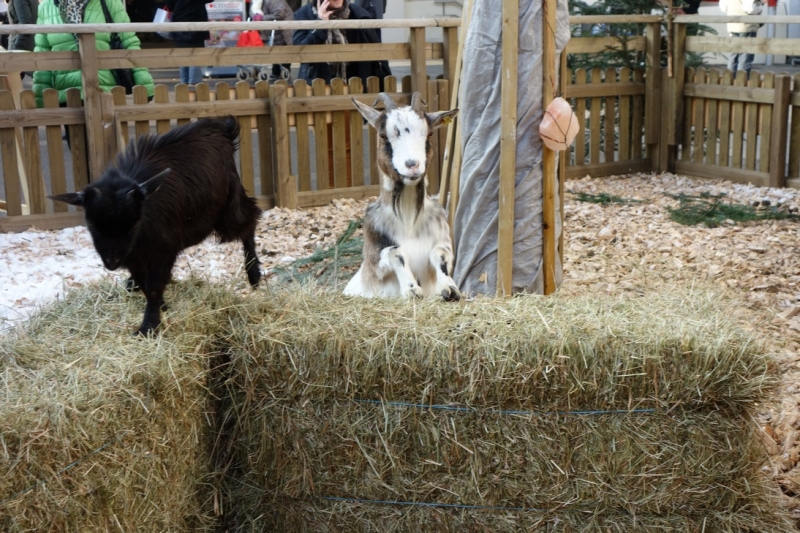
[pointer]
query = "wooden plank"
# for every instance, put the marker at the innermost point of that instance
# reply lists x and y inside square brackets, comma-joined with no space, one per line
[751,125]
[712,127]
[737,175]
[140,126]
[564,77]
[109,129]
[450,52]
[614,19]
[31,155]
[285,183]
[765,125]
[624,119]
[161,96]
[794,155]
[265,145]
[594,120]
[77,143]
[11,167]
[698,120]
[780,131]
[120,99]
[666,151]
[737,122]
[549,200]
[610,114]
[652,114]
[508,143]
[580,111]
[753,19]
[321,139]
[41,117]
[443,97]
[246,141]
[637,120]
[87,47]
[373,87]
[181,97]
[318,198]
[725,123]
[613,168]
[356,86]
[432,99]
[341,141]
[418,74]
[50,221]
[740,94]
[750,45]
[452,146]
[607,88]
[676,87]
[303,141]
[55,154]
[602,45]
[688,110]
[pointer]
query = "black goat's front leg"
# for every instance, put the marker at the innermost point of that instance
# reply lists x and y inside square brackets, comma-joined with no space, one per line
[154,292]
[251,263]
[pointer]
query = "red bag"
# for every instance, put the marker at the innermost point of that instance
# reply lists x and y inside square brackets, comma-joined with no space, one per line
[249,38]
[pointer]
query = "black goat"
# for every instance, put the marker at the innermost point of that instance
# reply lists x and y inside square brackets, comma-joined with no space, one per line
[164,194]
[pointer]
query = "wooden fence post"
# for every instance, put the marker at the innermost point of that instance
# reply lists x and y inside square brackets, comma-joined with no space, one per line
[285,183]
[652,94]
[450,52]
[109,128]
[92,107]
[418,75]
[549,237]
[780,131]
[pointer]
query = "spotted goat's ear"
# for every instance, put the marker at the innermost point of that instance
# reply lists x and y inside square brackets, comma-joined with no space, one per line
[440,118]
[370,113]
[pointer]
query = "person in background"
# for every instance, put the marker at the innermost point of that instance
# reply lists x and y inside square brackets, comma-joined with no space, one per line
[741,61]
[336,10]
[275,10]
[189,11]
[22,12]
[3,20]
[77,12]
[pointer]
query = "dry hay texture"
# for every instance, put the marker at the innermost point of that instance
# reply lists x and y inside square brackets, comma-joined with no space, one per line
[304,410]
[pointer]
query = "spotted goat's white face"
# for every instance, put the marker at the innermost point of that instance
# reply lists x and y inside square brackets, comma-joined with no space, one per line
[404,137]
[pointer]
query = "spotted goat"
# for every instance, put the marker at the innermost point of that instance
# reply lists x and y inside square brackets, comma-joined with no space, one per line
[407,247]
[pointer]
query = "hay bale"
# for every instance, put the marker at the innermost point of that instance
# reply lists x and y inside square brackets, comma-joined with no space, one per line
[495,415]
[100,430]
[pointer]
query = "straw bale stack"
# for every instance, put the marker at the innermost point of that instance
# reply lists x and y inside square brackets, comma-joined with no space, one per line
[101,431]
[521,414]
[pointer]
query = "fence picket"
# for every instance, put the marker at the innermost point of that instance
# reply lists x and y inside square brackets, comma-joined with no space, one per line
[698,121]
[182,97]
[594,118]
[751,125]
[77,143]
[55,153]
[247,173]
[433,170]
[610,117]
[624,119]
[160,96]
[373,86]
[765,125]
[737,122]
[794,155]
[8,151]
[356,86]
[688,117]
[712,124]
[142,127]
[265,146]
[637,127]
[340,140]
[321,138]
[303,142]
[443,88]
[725,123]
[580,111]
[32,161]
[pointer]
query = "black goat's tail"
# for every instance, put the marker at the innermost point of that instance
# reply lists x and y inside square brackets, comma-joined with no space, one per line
[232,129]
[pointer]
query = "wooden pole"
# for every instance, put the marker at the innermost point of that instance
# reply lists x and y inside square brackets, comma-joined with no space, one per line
[549,156]
[780,131]
[92,107]
[563,158]
[652,116]
[508,147]
[448,167]
[285,184]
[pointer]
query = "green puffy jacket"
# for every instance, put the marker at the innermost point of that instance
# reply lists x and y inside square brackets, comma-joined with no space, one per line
[61,80]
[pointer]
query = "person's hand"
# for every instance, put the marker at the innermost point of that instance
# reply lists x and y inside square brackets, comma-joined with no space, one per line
[324,12]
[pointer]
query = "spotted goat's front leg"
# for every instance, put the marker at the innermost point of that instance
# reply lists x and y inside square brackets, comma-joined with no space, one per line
[441,259]
[394,259]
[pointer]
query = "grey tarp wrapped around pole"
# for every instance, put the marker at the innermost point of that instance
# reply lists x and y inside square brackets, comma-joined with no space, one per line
[475,227]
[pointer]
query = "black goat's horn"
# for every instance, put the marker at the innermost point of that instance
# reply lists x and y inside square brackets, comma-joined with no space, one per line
[417,102]
[387,101]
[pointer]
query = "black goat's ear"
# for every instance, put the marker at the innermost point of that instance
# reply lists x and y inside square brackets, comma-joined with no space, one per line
[370,113]
[440,118]
[71,198]
[150,186]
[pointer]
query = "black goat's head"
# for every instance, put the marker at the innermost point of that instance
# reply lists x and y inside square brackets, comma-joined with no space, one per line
[404,146]
[113,208]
